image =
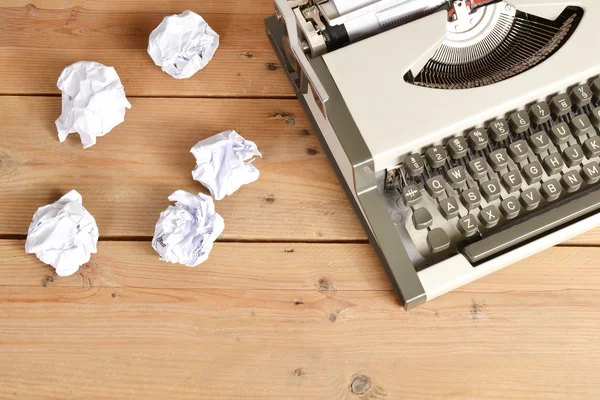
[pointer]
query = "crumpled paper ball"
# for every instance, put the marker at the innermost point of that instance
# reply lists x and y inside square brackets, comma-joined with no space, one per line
[182,44]
[224,163]
[63,234]
[185,233]
[93,101]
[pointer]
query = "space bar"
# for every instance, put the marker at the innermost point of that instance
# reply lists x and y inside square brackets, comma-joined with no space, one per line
[573,207]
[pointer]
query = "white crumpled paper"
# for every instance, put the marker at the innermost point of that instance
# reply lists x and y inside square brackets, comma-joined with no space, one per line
[182,44]
[63,234]
[93,101]
[224,163]
[185,232]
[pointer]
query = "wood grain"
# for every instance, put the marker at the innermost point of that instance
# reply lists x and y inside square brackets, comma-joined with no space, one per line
[126,178]
[285,266]
[37,43]
[128,343]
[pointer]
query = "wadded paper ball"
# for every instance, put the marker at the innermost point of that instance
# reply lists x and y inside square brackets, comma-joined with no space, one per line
[185,232]
[63,234]
[93,101]
[182,44]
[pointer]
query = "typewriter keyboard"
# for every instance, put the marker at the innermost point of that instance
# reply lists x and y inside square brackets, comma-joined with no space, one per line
[531,163]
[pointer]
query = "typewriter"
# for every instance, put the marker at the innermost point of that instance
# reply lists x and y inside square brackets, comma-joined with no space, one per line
[465,133]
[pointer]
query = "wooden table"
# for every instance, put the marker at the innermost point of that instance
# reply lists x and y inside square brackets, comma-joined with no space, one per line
[292,303]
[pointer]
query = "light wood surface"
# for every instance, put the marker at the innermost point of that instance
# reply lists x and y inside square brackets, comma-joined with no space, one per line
[292,303]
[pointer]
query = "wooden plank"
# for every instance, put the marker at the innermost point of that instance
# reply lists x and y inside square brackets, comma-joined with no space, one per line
[224,344]
[261,7]
[126,178]
[285,266]
[36,44]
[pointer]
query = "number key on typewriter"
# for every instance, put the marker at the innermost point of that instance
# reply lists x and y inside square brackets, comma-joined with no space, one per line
[533,172]
[498,130]
[539,142]
[581,95]
[457,148]
[561,105]
[596,87]
[540,113]
[519,122]
[478,139]
[411,194]
[591,173]
[581,125]
[573,155]
[468,225]
[414,165]
[560,133]
[436,156]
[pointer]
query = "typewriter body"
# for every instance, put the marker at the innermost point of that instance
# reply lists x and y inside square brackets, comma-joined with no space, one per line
[464,132]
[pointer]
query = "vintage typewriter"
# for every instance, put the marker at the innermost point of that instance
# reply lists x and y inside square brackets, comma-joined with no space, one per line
[465,132]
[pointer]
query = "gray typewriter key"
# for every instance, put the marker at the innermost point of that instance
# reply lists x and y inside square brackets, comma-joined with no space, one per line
[498,159]
[478,168]
[581,95]
[591,147]
[591,173]
[510,208]
[551,190]
[498,130]
[530,199]
[560,133]
[581,125]
[539,142]
[457,147]
[435,186]
[596,116]
[470,198]
[540,113]
[596,87]
[553,164]
[457,177]
[519,122]
[414,165]
[519,150]
[422,218]
[512,181]
[411,194]
[468,225]
[489,216]
[571,181]
[438,240]
[573,155]
[561,105]
[449,207]
[491,190]
[436,156]
[533,172]
[478,139]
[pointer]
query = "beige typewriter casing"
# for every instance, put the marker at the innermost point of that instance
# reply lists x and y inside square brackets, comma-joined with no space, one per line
[369,118]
